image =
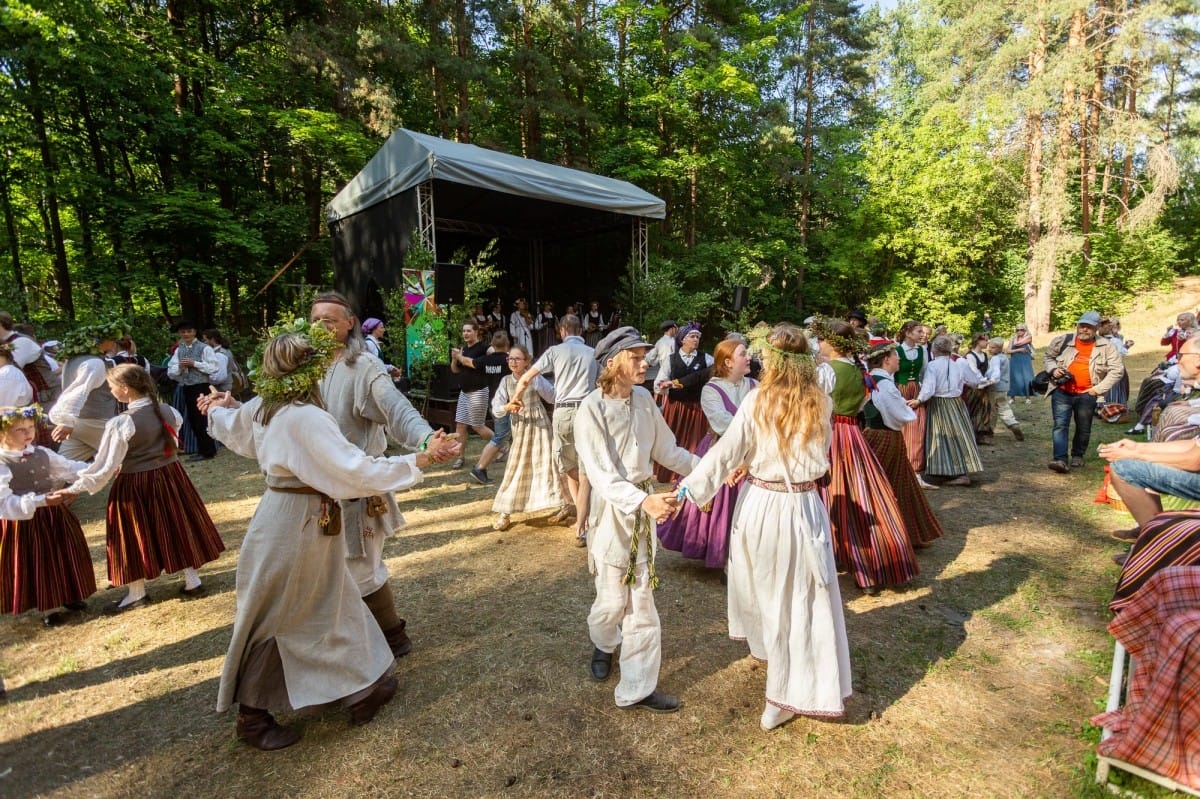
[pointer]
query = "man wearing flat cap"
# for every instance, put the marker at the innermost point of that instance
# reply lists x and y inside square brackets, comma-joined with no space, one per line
[1094,366]
[191,366]
[619,434]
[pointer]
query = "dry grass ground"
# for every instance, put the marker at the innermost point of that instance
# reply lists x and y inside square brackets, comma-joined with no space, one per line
[976,680]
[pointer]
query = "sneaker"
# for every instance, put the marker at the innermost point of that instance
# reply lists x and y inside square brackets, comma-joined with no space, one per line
[1077,462]
[480,475]
[1058,466]
[1017,432]
[1136,430]
[457,463]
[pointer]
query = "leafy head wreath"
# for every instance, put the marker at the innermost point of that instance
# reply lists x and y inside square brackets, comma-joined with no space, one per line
[300,381]
[86,340]
[776,360]
[852,346]
[10,416]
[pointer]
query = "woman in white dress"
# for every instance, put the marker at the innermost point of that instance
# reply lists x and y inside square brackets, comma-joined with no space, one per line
[302,635]
[530,480]
[784,599]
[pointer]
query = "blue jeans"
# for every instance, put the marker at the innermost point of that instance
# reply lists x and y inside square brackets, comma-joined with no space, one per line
[1156,477]
[1081,407]
[501,430]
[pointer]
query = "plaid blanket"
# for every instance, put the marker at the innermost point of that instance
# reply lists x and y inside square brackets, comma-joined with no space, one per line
[1158,728]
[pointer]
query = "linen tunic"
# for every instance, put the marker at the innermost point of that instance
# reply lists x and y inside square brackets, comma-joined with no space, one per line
[293,582]
[783,597]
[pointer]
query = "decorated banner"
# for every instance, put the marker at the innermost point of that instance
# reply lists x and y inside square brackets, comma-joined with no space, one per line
[424,323]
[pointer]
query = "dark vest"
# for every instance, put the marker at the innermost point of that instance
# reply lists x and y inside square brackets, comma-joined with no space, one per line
[195,351]
[680,370]
[872,418]
[147,447]
[100,403]
[31,475]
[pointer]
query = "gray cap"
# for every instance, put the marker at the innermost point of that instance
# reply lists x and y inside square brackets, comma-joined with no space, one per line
[619,340]
[1091,318]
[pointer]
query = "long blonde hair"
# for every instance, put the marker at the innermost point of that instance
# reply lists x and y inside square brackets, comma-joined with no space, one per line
[790,401]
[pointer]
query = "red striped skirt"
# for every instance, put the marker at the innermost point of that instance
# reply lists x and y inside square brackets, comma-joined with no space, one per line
[1169,539]
[689,424]
[869,539]
[158,523]
[44,562]
[914,431]
[919,520]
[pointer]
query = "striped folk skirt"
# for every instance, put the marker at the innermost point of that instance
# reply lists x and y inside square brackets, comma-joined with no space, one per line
[157,523]
[914,431]
[1120,392]
[689,424]
[919,520]
[950,448]
[979,407]
[703,534]
[1173,424]
[44,562]
[869,539]
[1169,539]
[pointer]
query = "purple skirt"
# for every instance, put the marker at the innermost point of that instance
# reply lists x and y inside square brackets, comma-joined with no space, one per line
[703,535]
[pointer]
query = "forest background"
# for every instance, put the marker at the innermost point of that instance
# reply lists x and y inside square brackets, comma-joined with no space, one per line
[165,158]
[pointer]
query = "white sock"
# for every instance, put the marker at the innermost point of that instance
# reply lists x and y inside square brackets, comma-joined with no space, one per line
[190,578]
[137,590]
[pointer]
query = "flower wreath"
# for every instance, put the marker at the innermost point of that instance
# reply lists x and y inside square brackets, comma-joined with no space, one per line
[778,360]
[10,416]
[85,340]
[299,382]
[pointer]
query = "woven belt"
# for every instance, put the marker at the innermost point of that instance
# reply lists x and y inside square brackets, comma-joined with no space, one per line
[568,404]
[330,520]
[779,485]
[839,419]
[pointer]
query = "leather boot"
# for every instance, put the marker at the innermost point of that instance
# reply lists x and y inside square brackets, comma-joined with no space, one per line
[382,605]
[258,728]
[365,709]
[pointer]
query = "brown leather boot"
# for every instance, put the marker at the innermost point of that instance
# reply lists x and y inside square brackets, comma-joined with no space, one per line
[364,710]
[398,640]
[258,728]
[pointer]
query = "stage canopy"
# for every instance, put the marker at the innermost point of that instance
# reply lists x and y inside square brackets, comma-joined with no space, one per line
[560,229]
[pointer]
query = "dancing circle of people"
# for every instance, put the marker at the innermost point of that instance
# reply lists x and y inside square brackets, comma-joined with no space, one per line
[788,455]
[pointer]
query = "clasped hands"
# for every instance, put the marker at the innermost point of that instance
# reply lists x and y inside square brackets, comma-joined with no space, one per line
[661,507]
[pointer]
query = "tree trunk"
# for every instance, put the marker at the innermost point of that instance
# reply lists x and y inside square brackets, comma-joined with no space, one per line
[14,245]
[1036,316]
[62,271]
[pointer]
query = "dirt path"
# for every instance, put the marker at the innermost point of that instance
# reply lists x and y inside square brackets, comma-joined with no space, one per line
[975,680]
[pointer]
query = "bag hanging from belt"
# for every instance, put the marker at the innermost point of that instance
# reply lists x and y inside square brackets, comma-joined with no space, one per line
[329,518]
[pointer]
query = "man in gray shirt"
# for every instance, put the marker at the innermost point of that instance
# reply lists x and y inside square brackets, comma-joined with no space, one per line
[573,365]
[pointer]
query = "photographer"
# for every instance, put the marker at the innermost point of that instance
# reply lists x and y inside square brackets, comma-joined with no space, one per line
[1093,365]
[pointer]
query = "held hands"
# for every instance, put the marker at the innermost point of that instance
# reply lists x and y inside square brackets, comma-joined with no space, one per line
[60,497]
[441,448]
[61,433]
[660,507]
[737,475]
[216,399]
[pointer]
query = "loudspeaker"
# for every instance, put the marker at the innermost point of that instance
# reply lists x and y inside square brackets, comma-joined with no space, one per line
[741,294]
[449,283]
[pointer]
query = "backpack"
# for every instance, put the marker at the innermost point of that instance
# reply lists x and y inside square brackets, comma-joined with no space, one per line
[239,384]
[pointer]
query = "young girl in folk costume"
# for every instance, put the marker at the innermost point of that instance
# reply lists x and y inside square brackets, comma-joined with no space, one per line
[531,480]
[156,520]
[303,636]
[44,558]
[784,600]
[681,377]
[593,324]
[704,533]
[868,534]
[913,353]
[886,416]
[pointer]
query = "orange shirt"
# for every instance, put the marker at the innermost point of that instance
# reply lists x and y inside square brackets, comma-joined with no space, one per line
[1079,367]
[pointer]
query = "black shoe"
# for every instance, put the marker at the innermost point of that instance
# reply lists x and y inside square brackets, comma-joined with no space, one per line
[54,619]
[116,608]
[601,665]
[193,593]
[199,457]
[1125,536]
[1058,466]
[657,702]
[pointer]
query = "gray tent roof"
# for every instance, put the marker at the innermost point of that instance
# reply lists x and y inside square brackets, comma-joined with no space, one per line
[408,159]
